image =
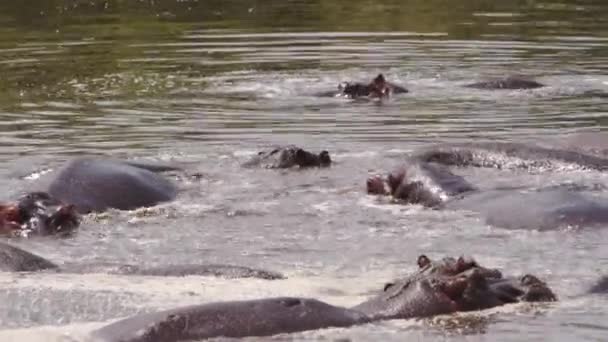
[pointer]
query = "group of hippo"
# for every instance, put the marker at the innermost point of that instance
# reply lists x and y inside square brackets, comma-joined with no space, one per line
[92,184]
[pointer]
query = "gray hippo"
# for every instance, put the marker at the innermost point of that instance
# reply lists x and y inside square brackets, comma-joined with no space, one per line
[511,82]
[601,286]
[14,259]
[434,186]
[436,288]
[37,213]
[97,184]
[288,157]
[378,88]
[503,155]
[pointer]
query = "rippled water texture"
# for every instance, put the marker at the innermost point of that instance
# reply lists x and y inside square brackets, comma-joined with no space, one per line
[206,84]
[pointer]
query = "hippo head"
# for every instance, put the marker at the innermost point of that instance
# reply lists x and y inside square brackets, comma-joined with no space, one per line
[377,185]
[402,189]
[379,87]
[39,213]
[495,288]
[303,158]
[452,285]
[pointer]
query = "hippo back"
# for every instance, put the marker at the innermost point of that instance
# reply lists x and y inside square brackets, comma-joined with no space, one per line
[13,259]
[93,184]
[538,209]
[261,317]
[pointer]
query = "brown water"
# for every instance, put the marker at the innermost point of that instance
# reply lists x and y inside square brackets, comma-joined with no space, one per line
[208,83]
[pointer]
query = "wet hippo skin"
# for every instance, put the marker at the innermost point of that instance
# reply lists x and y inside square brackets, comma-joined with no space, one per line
[96,184]
[15,259]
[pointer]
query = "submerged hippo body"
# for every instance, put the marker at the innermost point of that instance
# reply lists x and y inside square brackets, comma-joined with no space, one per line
[510,155]
[437,288]
[94,184]
[512,83]
[14,259]
[600,287]
[377,88]
[180,270]
[262,317]
[540,209]
[288,157]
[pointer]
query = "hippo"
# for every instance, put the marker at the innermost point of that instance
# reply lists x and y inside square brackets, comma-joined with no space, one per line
[429,184]
[600,287]
[433,186]
[510,155]
[38,213]
[14,259]
[436,288]
[288,157]
[180,270]
[93,184]
[378,88]
[511,82]
[452,285]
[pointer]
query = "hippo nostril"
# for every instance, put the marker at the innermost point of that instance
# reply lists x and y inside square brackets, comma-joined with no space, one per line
[289,302]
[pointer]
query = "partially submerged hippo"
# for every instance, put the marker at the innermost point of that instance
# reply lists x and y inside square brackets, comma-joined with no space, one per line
[97,184]
[37,213]
[437,288]
[511,82]
[428,184]
[288,157]
[432,185]
[600,287]
[503,155]
[452,285]
[377,88]
[14,259]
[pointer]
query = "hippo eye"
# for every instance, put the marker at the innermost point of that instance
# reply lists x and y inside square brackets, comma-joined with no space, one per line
[388,286]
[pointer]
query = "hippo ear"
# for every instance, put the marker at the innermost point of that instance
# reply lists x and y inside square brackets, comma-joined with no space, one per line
[379,80]
[423,261]
[324,158]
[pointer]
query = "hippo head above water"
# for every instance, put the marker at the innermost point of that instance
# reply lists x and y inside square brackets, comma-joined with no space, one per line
[452,285]
[427,184]
[403,189]
[38,213]
[306,159]
[377,88]
[288,157]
